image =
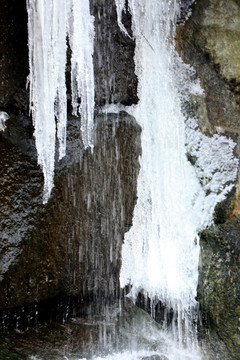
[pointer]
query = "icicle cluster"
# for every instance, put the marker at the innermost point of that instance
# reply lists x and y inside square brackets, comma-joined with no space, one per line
[50,23]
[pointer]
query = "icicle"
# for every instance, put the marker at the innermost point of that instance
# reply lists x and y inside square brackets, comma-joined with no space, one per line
[120,7]
[49,23]
[3,118]
[47,60]
[81,36]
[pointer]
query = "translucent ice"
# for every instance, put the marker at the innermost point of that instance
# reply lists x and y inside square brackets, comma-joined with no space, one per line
[81,37]
[49,24]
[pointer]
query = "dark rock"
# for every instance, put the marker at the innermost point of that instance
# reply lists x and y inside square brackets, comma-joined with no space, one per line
[76,238]
[6,354]
[219,279]
[185,10]
[13,54]
[73,244]
[209,42]
[99,330]
[115,81]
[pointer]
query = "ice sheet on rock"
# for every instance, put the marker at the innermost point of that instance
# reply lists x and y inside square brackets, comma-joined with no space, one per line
[161,251]
[159,254]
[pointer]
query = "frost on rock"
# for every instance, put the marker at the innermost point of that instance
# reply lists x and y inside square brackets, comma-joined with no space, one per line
[160,253]
[3,118]
[214,162]
[48,27]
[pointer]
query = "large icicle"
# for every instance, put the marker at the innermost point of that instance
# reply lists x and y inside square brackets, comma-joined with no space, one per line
[81,36]
[48,27]
[161,250]
[47,60]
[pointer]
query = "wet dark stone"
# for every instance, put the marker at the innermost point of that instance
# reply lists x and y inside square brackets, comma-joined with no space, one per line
[99,330]
[115,80]
[13,54]
[64,238]
[6,354]
[219,279]
[154,307]
[185,10]
[72,245]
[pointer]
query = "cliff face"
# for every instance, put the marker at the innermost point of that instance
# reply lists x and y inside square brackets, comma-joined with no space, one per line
[72,246]
[210,42]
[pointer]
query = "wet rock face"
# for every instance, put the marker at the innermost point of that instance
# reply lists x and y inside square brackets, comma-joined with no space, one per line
[219,280]
[209,42]
[115,80]
[71,246]
[98,331]
[13,53]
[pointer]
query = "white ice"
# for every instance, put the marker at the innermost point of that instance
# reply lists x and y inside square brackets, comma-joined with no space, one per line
[161,251]
[49,24]
[3,118]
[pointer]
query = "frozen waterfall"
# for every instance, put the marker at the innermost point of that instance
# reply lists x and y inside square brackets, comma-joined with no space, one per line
[161,250]
[50,23]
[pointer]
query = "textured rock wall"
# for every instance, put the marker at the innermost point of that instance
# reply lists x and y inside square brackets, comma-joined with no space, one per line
[115,80]
[71,246]
[209,41]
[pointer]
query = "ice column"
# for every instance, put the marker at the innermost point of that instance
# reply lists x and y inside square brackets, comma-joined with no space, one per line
[49,24]
[161,250]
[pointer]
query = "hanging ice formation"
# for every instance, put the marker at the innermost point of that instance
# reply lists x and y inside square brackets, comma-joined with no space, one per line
[161,250]
[50,23]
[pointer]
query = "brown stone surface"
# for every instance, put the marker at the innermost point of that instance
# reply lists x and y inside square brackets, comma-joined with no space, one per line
[199,42]
[73,244]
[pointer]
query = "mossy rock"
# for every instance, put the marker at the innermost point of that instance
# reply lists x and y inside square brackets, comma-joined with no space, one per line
[219,279]
[221,34]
